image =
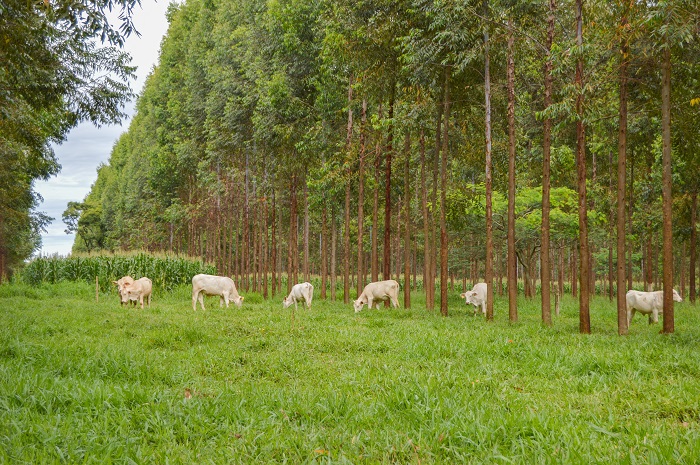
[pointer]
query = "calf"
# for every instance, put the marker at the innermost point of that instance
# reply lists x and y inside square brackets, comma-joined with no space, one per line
[137,291]
[302,292]
[374,292]
[223,286]
[648,303]
[476,297]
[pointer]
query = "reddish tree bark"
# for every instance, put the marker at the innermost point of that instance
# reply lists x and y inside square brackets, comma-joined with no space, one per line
[669,324]
[584,294]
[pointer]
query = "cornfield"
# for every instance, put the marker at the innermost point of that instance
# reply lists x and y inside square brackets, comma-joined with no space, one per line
[165,271]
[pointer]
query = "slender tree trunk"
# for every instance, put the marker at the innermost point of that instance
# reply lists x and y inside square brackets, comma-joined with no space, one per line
[584,294]
[361,202]
[307,276]
[334,244]
[648,260]
[546,274]
[489,188]
[443,198]
[387,188]
[407,225]
[434,227]
[324,254]
[292,249]
[375,208]
[512,259]
[266,251]
[427,255]
[668,326]
[346,247]
[693,240]
[274,244]
[630,280]
[346,235]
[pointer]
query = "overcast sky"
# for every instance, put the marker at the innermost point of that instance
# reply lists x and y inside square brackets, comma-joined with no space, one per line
[87,146]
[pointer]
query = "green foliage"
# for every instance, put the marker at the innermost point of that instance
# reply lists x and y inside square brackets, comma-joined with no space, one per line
[82,381]
[54,76]
[166,271]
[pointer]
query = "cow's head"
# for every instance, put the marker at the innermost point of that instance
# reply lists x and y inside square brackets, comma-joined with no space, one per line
[468,296]
[676,296]
[359,303]
[238,301]
[287,302]
[121,281]
[125,292]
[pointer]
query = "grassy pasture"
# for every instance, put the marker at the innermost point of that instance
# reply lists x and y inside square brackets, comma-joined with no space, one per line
[85,382]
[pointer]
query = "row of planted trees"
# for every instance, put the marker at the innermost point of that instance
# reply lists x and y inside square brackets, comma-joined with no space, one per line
[438,140]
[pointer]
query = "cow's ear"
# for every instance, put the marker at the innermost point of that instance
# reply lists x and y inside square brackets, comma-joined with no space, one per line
[242,298]
[114,282]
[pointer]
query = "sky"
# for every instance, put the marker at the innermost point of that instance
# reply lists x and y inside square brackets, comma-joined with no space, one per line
[87,146]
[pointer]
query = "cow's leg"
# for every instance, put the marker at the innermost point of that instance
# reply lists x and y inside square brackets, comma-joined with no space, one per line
[654,317]
[483,308]
[630,315]
[194,300]
[201,300]
[141,301]
[395,302]
[370,303]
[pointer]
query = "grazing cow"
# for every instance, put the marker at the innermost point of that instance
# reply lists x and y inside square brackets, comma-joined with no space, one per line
[137,291]
[476,297]
[648,303]
[223,286]
[374,292]
[120,283]
[302,292]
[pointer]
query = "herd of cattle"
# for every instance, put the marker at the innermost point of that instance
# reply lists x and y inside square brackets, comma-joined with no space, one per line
[138,290]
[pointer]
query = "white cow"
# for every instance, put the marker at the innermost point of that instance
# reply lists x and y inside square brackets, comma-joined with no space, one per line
[120,283]
[374,292]
[137,291]
[223,286]
[648,303]
[476,297]
[302,292]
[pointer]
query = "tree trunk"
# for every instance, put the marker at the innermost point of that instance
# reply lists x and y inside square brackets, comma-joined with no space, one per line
[668,326]
[584,294]
[443,198]
[693,240]
[266,251]
[274,244]
[307,275]
[630,280]
[292,248]
[346,235]
[427,255]
[361,202]
[407,225]
[512,259]
[346,246]
[387,188]
[489,187]
[375,208]
[324,253]
[334,244]
[648,261]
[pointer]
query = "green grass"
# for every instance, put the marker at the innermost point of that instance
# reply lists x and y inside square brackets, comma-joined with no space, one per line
[85,382]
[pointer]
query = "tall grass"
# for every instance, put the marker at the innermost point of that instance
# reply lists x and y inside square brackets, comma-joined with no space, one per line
[165,271]
[86,382]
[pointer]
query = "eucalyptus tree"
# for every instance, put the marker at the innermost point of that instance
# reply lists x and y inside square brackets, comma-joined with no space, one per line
[56,74]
